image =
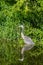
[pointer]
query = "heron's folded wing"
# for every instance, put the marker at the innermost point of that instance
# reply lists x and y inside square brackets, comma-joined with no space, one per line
[28,40]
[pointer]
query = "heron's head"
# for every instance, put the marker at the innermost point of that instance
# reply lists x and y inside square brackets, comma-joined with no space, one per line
[21,26]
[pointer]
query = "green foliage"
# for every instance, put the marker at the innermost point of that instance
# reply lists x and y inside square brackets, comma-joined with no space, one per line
[12,14]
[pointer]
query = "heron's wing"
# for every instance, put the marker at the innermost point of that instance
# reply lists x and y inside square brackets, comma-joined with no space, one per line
[28,40]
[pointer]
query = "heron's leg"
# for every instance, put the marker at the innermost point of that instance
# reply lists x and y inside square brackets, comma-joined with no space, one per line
[23,49]
[26,47]
[22,52]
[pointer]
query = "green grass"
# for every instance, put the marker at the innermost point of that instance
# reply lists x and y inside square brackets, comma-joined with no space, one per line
[12,14]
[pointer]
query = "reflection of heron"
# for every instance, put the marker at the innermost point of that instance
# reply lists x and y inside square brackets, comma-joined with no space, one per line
[28,43]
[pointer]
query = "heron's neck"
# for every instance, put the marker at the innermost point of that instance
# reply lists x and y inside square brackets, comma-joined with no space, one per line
[22,35]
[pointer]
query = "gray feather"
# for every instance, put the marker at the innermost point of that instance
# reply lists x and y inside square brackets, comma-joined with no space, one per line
[28,40]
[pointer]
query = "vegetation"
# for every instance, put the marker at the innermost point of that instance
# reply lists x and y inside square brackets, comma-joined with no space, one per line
[12,14]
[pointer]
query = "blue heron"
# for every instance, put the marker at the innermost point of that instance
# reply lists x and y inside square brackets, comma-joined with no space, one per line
[29,44]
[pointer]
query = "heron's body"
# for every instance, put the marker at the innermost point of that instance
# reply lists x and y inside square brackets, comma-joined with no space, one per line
[28,44]
[27,40]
